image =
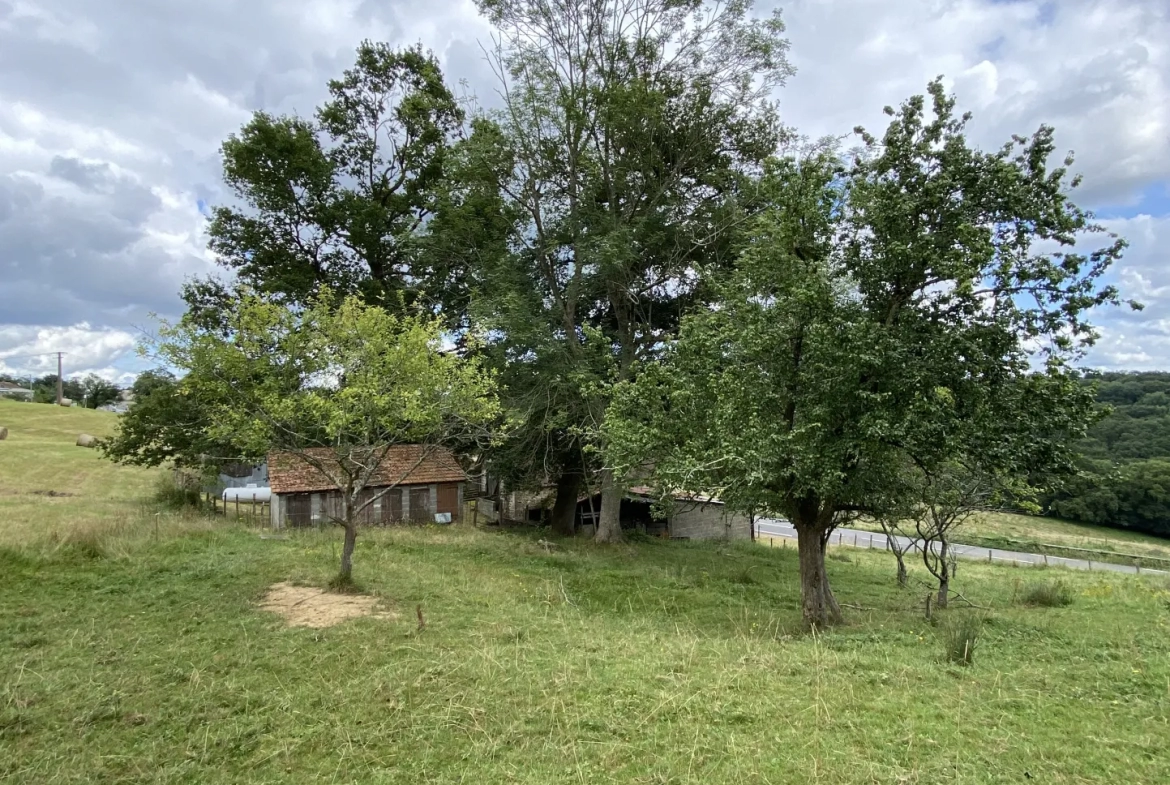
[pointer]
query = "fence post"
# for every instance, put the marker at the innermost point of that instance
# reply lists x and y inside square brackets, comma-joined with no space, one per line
[1090,565]
[989,555]
[237,506]
[871,542]
[1045,559]
[854,539]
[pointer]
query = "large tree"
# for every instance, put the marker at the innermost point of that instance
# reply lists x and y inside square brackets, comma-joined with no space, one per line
[96,391]
[920,304]
[341,198]
[632,130]
[168,424]
[335,384]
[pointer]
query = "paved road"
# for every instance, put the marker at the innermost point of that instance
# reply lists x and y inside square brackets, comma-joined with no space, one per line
[770,527]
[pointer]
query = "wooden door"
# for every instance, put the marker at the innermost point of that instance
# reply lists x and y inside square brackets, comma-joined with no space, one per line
[366,516]
[391,506]
[448,499]
[420,504]
[298,509]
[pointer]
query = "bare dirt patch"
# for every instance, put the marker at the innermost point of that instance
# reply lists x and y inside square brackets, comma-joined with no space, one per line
[307,606]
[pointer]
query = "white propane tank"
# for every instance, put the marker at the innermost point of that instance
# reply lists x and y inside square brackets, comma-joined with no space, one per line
[247,494]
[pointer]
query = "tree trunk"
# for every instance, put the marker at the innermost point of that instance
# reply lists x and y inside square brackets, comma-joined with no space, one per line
[903,578]
[609,523]
[345,574]
[818,606]
[564,511]
[944,575]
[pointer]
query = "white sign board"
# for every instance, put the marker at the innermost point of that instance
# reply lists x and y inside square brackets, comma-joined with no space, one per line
[442,517]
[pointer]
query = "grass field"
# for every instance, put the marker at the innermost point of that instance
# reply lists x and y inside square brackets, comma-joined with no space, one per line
[40,457]
[128,656]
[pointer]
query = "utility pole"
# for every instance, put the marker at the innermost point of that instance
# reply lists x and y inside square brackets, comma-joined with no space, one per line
[60,385]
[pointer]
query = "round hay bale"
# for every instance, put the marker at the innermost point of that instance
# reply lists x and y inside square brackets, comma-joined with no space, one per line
[85,440]
[3,433]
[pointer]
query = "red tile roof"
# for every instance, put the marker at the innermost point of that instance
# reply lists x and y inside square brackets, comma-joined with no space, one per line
[405,464]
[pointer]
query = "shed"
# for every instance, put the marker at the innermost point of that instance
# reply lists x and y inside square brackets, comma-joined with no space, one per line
[692,517]
[413,483]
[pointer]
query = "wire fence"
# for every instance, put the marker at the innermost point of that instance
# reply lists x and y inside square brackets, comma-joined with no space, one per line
[252,511]
[871,540]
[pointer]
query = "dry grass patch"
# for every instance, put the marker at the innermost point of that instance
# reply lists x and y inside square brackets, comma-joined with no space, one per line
[308,606]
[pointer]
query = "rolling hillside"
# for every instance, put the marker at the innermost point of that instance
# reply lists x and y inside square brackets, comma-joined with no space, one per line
[50,488]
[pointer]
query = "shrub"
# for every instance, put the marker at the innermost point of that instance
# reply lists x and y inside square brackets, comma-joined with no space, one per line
[961,637]
[171,495]
[1047,594]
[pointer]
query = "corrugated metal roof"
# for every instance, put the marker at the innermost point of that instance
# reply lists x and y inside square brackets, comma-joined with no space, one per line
[405,464]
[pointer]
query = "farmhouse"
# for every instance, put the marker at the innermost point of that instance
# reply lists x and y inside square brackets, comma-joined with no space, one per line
[425,484]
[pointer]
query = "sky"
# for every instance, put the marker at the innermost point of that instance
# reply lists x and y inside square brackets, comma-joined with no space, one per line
[112,114]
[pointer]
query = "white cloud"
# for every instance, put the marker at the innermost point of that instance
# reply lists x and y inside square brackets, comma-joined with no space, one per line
[1097,70]
[142,93]
[1138,340]
[31,350]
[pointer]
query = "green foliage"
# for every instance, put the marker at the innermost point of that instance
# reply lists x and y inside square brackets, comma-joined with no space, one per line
[45,389]
[339,199]
[172,494]
[1137,423]
[1134,495]
[1047,594]
[1124,480]
[168,424]
[855,338]
[337,374]
[961,637]
[97,392]
[626,155]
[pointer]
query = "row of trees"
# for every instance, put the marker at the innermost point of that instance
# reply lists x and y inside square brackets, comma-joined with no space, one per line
[659,277]
[92,391]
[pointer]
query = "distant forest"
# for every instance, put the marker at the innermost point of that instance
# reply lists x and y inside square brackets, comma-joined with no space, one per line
[1125,471]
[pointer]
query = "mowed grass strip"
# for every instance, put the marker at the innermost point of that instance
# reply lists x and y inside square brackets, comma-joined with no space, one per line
[651,662]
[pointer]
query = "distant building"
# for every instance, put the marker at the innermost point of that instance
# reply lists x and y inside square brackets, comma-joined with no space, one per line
[12,390]
[689,517]
[427,481]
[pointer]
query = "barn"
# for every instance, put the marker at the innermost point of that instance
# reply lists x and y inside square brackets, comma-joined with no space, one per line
[690,517]
[425,483]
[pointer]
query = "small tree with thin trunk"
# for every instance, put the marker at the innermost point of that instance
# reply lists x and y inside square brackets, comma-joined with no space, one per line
[899,541]
[336,385]
[949,497]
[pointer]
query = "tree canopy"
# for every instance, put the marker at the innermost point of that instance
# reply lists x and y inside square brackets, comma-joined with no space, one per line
[341,199]
[881,314]
[627,146]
